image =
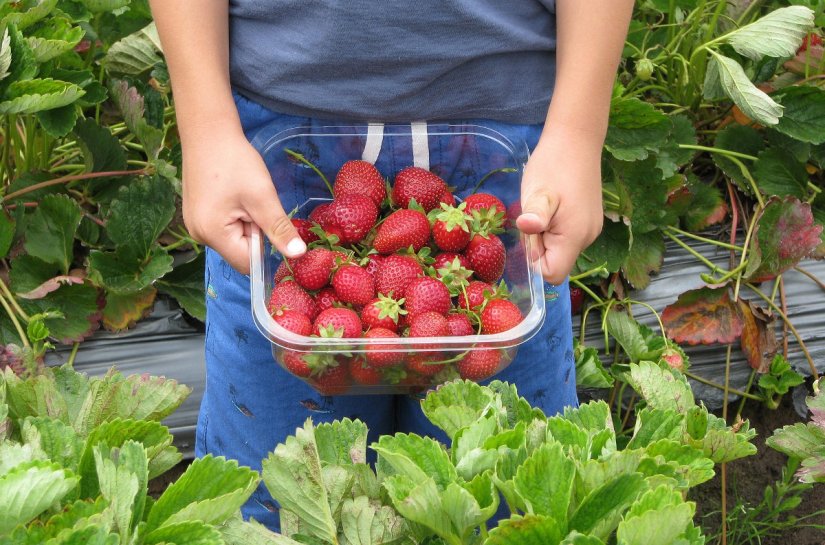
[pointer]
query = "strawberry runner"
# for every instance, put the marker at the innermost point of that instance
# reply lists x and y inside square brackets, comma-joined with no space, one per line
[251,403]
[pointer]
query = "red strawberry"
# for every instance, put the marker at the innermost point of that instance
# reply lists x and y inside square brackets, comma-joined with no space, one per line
[364,373]
[303,226]
[484,201]
[293,320]
[487,212]
[333,381]
[296,364]
[402,229]
[427,294]
[319,213]
[288,294]
[419,184]
[395,273]
[422,363]
[809,40]
[337,322]
[353,216]
[576,299]
[444,260]
[381,356]
[326,298]
[312,269]
[360,178]
[674,358]
[479,364]
[448,198]
[353,285]
[499,315]
[382,312]
[453,270]
[429,324]
[451,232]
[473,295]
[486,256]
[372,263]
[282,272]
[459,324]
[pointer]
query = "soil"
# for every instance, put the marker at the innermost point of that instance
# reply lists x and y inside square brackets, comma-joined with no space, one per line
[159,484]
[746,482]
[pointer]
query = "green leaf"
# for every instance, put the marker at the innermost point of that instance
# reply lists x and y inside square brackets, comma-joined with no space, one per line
[656,424]
[647,253]
[7,229]
[56,439]
[101,148]
[601,510]
[689,462]
[661,388]
[722,444]
[754,103]
[590,372]
[799,440]
[740,139]
[123,310]
[29,13]
[660,512]
[185,284]
[123,271]
[777,34]
[123,475]
[53,38]
[5,54]
[467,451]
[51,228]
[58,122]
[514,408]
[140,213]
[29,489]
[35,396]
[545,482]
[134,54]
[191,532]
[420,502]
[642,195]
[292,474]
[131,105]
[804,114]
[526,530]
[628,334]
[102,6]
[23,65]
[417,457]
[210,490]
[778,173]
[611,248]
[236,531]
[456,405]
[575,538]
[671,157]
[79,306]
[365,523]
[34,95]
[706,207]
[635,129]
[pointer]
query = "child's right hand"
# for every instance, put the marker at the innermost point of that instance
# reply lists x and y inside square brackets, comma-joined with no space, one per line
[227,187]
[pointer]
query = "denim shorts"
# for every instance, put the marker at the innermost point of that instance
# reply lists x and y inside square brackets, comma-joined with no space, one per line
[251,404]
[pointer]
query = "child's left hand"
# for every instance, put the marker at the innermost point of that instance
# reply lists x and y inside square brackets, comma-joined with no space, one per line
[561,199]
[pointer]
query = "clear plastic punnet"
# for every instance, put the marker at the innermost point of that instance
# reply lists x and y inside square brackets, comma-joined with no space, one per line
[470,159]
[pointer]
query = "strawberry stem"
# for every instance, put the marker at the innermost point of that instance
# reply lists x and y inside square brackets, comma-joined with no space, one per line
[492,172]
[300,158]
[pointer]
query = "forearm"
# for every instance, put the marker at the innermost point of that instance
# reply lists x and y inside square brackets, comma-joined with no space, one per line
[195,38]
[590,38]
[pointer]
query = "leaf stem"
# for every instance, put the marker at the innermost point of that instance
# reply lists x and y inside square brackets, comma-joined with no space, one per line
[484,178]
[734,391]
[23,337]
[301,159]
[812,276]
[13,301]
[72,355]
[703,239]
[73,178]
[709,264]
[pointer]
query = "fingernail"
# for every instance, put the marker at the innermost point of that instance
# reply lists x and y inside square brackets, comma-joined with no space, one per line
[295,247]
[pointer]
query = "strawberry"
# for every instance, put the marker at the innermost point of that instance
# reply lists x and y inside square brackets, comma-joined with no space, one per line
[576,299]
[473,295]
[319,213]
[296,364]
[427,294]
[337,322]
[326,298]
[479,364]
[351,217]
[382,312]
[809,40]
[429,324]
[364,373]
[451,232]
[312,269]
[282,272]
[499,315]
[293,320]
[332,381]
[453,270]
[288,294]
[395,273]
[372,263]
[419,184]
[444,260]
[484,201]
[423,363]
[380,356]
[487,213]
[486,256]
[353,284]
[360,178]
[402,229]
[447,198]
[674,357]
[304,229]
[459,324]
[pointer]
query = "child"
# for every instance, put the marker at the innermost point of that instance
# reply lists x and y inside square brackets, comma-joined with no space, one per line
[241,65]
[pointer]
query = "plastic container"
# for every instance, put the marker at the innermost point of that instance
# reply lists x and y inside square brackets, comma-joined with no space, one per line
[463,155]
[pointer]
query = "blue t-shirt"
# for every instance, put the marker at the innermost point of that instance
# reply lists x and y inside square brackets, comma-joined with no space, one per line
[374,60]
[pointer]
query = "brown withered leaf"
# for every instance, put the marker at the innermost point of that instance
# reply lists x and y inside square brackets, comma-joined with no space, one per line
[758,340]
[703,316]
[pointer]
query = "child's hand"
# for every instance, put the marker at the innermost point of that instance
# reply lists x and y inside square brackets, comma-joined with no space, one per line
[561,199]
[226,187]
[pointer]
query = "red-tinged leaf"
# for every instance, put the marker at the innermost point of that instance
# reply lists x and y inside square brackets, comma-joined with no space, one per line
[81,308]
[785,233]
[703,316]
[50,285]
[123,310]
[758,339]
